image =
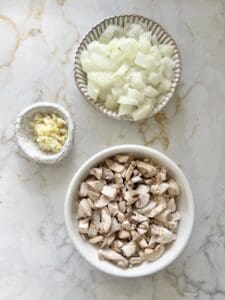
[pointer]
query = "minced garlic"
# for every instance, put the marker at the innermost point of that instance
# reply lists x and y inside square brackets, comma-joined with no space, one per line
[50,131]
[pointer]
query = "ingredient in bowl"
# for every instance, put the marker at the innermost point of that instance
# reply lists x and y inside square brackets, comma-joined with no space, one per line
[127,208]
[128,70]
[50,131]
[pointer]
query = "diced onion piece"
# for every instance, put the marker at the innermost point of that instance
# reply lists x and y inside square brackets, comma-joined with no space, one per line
[142,112]
[110,102]
[127,100]
[135,94]
[92,90]
[154,78]
[137,80]
[125,110]
[150,91]
[102,79]
[121,71]
[165,85]
[166,50]
[110,32]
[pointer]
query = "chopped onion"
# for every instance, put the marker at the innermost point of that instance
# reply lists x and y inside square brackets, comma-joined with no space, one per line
[128,70]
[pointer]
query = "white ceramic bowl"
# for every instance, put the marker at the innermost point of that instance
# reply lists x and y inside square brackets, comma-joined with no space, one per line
[185,207]
[25,138]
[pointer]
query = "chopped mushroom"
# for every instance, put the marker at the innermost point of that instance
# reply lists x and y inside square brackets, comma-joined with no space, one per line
[83,190]
[83,225]
[122,158]
[109,191]
[129,249]
[96,239]
[84,209]
[106,220]
[173,188]
[114,166]
[128,207]
[97,172]
[153,254]
[146,169]
[95,186]
[159,189]
[114,257]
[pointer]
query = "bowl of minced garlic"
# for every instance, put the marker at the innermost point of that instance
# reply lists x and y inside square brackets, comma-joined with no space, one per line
[45,132]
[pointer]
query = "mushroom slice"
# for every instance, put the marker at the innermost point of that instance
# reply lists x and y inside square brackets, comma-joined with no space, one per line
[124,235]
[115,226]
[83,225]
[171,204]
[97,172]
[107,174]
[117,245]
[152,242]
[147,209]
[163,216]
[113,208]
[96,240]
[101,202]
[157,210]
[135,235]
[83,192]
[163,235]
[131,196]
[93,195]
[175,216]
[120,217]
[118,179]
[142,189]
[159,189]
[143,244]
[122,206]
[173,189]
[114,166]
[135,260]
[92,231]
[129,172]
[122,158]
[136,179]
[114,257]
[126,225]
[105,220]
[108,241]
[96,219]
[153,254]
[141,231]
[109,191]
[84,209]
[172,225]
[129,249]
[95,186]
[146,169]
[143,200]
[138,218]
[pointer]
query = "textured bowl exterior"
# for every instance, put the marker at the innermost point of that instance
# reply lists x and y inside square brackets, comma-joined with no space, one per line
[94,34]
[185,205]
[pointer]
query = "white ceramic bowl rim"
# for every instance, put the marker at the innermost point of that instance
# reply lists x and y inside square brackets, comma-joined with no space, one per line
[164,160]
[43,157]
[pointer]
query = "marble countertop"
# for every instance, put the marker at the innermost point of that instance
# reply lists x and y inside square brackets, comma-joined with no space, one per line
[38,42]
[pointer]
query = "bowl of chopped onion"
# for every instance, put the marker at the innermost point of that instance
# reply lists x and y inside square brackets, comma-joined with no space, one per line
[128,67]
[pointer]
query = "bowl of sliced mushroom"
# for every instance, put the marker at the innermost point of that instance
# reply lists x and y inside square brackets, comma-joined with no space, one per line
[129,211]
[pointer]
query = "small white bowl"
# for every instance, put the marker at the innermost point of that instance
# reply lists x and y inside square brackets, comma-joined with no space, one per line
[185,207]
[25,137]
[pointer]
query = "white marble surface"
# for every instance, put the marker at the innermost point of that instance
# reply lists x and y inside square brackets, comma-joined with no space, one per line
[38,42]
